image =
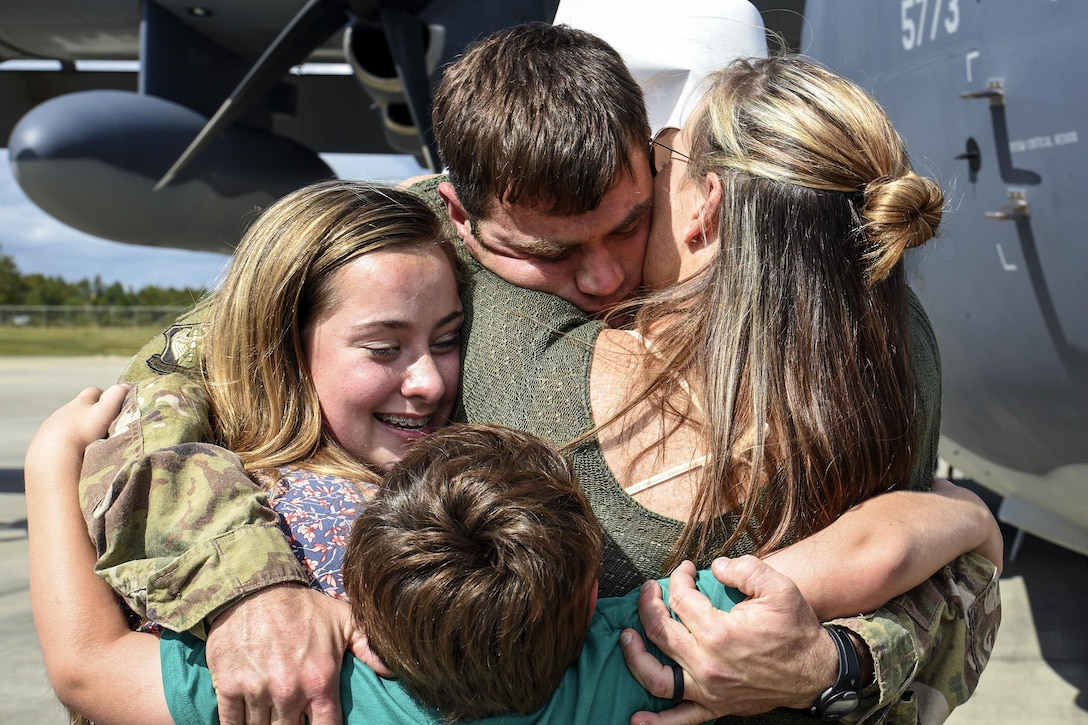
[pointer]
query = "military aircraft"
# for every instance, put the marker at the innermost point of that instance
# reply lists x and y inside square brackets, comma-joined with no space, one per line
[133,157]
[985,95]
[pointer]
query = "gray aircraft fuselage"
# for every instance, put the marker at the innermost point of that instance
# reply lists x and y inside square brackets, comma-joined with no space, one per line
[989,96]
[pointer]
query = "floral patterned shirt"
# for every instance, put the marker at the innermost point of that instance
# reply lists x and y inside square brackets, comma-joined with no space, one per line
[316,512]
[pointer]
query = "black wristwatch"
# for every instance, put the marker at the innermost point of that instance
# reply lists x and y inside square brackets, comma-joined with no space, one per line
[843,697]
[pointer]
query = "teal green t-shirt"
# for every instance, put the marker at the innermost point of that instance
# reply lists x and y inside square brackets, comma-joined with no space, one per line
[596,689]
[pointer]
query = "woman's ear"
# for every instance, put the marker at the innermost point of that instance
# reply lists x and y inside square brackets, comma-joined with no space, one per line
[703,225]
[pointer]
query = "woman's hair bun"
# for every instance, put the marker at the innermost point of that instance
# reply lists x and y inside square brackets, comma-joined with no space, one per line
[899,213]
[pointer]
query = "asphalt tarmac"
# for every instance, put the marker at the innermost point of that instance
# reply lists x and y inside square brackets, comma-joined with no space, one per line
[1038,672]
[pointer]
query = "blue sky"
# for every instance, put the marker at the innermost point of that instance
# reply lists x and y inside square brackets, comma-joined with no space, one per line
[40,244]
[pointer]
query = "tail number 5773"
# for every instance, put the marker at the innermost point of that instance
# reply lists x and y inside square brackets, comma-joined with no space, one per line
[922,18]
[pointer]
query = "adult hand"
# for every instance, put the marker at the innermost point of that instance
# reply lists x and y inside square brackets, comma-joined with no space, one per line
[769,651]
[275,657]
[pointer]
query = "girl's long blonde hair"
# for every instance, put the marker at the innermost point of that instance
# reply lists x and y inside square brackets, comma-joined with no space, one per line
[795,340]
[263,402]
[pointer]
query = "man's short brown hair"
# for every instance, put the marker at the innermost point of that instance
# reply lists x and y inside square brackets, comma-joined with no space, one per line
[538,115]
[473,570]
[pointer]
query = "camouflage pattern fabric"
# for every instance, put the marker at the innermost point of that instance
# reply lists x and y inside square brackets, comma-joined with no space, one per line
[184,534]
[938,644]
[152,495]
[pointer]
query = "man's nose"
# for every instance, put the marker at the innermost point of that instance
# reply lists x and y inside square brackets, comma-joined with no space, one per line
[600,274]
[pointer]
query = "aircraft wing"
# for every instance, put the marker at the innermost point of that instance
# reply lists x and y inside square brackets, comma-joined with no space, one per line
[76,34]
[235,100]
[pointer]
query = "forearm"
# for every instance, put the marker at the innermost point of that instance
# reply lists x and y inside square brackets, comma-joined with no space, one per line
[79,621]
[181,530]
[183,534]
[187,536]
[891,543]
[77,616]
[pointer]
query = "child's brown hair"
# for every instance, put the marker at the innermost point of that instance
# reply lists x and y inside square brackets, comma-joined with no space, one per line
[473,570]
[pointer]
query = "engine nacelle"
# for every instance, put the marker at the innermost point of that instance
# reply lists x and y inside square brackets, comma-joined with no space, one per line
[90,159]
[367,51]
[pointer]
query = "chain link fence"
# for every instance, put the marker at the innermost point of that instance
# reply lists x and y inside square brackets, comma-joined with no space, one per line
[87,316]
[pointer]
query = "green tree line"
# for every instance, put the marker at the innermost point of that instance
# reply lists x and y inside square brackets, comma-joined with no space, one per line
[37,289]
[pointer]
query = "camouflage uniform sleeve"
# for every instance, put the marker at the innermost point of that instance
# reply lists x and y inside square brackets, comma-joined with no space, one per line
[181,531]
[174,350]
[931,644]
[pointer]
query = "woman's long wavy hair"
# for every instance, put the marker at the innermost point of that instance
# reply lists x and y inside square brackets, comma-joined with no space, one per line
[263,403]
[795,340]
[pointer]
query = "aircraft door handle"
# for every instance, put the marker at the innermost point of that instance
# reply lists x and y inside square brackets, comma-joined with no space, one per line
[1017,208]
[995,92]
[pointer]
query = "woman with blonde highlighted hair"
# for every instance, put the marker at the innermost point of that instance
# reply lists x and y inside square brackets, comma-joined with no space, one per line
[780,372]
[792,203]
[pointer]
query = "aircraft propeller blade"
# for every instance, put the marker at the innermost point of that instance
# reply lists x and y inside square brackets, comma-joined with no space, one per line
[313,25]
[404,32]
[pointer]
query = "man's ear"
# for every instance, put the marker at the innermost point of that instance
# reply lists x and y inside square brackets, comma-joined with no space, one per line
[458,216]
[703,225]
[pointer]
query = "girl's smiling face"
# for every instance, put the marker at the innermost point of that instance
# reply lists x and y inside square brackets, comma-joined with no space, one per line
[384,357]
